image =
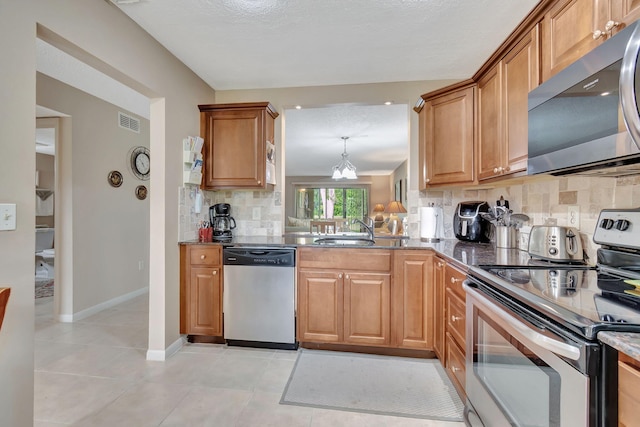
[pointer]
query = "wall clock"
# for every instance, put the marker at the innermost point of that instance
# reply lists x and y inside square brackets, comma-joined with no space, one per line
[139,162]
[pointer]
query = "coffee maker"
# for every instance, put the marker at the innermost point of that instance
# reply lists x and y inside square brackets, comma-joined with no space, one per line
[222,222]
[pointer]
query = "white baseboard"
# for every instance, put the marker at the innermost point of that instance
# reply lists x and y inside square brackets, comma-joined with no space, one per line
[70,318]
[162,355]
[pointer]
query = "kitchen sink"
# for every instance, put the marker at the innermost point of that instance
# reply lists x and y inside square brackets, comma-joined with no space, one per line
[344,241]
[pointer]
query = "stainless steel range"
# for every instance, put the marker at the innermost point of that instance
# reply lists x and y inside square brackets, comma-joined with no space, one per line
[533,357]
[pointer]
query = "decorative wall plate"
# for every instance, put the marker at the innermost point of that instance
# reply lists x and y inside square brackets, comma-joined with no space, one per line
[115,178]
[141,192]
[139,162]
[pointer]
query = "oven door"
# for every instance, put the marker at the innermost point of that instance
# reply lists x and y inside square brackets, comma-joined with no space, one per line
[516,373]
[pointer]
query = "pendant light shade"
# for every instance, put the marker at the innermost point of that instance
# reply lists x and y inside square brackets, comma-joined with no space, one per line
[344,169]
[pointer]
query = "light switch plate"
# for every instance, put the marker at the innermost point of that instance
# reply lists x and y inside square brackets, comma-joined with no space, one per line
[7,216]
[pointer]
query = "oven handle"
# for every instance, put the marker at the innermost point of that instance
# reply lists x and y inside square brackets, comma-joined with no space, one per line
[563,349]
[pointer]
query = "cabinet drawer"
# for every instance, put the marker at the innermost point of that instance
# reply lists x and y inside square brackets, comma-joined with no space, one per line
[456,317]
[453,279]
[628,394]
[456,365]
[205,255]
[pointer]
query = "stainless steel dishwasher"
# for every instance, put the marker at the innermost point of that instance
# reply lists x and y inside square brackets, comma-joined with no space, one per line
[259,296]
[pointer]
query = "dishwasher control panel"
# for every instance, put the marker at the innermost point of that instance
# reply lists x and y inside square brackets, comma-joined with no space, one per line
[274,257]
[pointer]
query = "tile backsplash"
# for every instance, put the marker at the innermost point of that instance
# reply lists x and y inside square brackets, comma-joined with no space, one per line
[257,213]
[545,199]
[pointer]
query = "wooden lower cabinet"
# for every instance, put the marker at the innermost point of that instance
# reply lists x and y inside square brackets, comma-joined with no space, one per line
[413,299]
[320,314]
[455,324]
[201,286]
[344,296]
[439,320]
[628,391]
[367,307]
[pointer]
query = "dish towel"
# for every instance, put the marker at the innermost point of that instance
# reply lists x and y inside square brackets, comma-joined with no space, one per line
[44,202]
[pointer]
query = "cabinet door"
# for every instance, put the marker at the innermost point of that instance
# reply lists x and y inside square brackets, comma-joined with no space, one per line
[204,299]
[567,32]
[625,12]
[490,120]
[367,306]
[439,310]
[234,152]
[413,300]
[521,74]
[449,138]
[320,303]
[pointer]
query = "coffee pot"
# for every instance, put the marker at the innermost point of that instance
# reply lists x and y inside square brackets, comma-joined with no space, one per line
[221,221]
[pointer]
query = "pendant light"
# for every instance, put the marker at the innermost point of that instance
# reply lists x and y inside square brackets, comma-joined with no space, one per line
[344,169]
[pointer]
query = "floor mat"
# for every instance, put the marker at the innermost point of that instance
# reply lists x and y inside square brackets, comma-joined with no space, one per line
[417,388]
[44,290]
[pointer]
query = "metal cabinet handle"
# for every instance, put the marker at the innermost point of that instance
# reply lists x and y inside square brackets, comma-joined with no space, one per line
[347,277]
[609,26]
[454,280]
[456,369]
[428,180]
[214,272]
[498,169]
[340,276]
[440,264]
[203,256]
[455,318]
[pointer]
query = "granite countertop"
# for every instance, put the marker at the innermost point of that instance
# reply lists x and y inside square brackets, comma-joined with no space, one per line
[464,254]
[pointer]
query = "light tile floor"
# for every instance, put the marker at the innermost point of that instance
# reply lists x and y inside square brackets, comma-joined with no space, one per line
[94,373]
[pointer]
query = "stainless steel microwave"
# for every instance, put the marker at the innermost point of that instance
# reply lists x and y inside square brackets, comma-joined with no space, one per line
[586,118]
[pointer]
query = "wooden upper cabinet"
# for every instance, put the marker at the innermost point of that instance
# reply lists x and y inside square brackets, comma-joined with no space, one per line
[521,74]
[571,28]
[625,12]
[567,32]
[503,112]
[235,145]
[447,154]
[490,123]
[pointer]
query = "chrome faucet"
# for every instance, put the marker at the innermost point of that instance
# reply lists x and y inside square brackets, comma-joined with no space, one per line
[368,227]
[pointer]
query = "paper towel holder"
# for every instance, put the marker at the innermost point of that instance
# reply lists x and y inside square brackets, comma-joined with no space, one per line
[434,235]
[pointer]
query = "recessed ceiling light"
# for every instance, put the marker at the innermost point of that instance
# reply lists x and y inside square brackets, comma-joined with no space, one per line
[388,103]
[298,107]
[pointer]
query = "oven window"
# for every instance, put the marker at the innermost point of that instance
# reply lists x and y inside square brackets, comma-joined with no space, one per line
[522,385]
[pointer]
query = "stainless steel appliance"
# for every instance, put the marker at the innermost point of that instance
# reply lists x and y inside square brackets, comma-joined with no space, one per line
[468,224]
[555,243]
[575,117]
[222,222]
[259,296]
[533,356]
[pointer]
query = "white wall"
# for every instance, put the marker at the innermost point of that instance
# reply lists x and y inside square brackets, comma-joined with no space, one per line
[110,225]
[101,35]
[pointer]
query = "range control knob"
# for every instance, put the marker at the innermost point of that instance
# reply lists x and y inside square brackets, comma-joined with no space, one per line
[553,251]
[606,223]
[622,224]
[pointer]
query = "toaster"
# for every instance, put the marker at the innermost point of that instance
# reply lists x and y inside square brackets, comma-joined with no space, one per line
[555,243]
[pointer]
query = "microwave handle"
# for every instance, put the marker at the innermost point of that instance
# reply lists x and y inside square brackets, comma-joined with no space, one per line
[628,88]
[554,346]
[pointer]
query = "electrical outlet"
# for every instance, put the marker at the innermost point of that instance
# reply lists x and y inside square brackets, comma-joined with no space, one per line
[140,265]
[574,216]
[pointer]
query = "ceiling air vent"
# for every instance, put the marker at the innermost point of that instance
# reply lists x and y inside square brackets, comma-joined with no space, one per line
[125,121]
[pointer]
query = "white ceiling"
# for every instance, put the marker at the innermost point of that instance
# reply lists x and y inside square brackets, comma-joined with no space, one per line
[290,43]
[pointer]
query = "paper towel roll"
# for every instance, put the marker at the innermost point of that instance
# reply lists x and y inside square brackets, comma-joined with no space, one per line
[430,220]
